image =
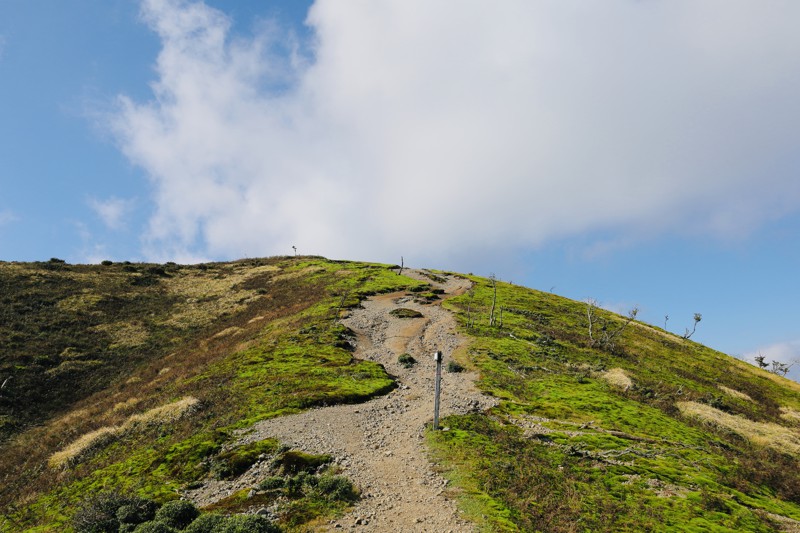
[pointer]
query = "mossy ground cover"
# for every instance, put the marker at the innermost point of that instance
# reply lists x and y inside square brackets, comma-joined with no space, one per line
[568,450]
[264,342]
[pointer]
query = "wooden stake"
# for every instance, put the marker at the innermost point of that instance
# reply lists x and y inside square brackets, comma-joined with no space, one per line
[437,389]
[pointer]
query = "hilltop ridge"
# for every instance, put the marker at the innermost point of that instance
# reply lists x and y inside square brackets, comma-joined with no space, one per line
[163,381]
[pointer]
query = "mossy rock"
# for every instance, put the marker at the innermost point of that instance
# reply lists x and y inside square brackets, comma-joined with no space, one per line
[294,462]
[405,313]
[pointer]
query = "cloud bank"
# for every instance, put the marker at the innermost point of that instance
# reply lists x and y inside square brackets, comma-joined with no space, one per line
[423,128]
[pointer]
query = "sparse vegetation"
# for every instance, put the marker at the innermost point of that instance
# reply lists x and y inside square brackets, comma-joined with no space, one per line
[603,331]
[406,360]
[697,318]
[454,367]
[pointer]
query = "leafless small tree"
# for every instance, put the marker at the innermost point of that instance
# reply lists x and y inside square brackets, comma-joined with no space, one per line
[493,280]
[760,361]
[601,331]
[470,300]
[342,301]
[666,319]
[401,266]
[697,318]
[780,368]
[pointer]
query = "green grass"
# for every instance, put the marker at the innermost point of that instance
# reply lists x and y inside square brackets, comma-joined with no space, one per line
[566,450]
[251,340]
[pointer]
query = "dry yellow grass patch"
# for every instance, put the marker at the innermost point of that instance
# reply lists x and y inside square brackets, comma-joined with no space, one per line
[84,446]
[73,415]
[299,273]
[71,365]
[790,414]
[735,393]
[206,298]
[124,334]
[126,405]
[618,378]
[169,413]
[227,332]
[671,336]
[88,443]
[764,434]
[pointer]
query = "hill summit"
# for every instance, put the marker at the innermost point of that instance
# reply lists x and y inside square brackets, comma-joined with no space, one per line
[297,394]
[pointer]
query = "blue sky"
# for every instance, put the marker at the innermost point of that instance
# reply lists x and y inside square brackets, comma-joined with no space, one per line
[638,153]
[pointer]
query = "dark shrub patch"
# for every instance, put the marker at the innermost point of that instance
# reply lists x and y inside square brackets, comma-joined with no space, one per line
[406,360]
[177,513]
[101,513]
[154,527]
[206,523]
[336,488]
[248,523]
[454,367]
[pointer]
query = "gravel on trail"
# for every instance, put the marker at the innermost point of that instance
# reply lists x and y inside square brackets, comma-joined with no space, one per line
[379,444]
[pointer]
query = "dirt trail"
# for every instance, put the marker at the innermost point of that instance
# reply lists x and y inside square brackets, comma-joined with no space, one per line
[379,444]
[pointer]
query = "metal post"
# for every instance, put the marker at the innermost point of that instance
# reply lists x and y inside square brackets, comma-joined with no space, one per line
[437,389]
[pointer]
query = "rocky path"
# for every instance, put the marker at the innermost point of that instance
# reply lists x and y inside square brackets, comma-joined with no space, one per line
[379,444]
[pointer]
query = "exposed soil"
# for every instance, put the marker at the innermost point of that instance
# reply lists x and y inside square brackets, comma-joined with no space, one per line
[379,444]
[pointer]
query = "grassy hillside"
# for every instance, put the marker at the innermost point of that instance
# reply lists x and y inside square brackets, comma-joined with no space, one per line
[139,378]
[648,432]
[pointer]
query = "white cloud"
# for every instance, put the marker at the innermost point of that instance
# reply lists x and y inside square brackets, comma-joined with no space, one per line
[785,352]
[428,128]
[112,211]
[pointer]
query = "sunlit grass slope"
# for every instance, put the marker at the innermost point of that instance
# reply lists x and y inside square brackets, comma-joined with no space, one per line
[140,378]
[655,433]
[136,377]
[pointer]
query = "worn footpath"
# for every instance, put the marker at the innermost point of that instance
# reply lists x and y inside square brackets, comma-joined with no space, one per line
[379,444]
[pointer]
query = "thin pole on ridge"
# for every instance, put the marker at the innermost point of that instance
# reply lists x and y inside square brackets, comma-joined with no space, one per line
[437,388]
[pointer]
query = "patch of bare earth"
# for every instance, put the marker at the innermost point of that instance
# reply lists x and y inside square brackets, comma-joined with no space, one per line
[379,444]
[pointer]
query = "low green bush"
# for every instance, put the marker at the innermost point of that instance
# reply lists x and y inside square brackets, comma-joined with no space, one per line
[248,523]
[154,527]
[206,523]
[106,511]
[136,512]
[406,360]
[336,488]
[272,483]
[177,513]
